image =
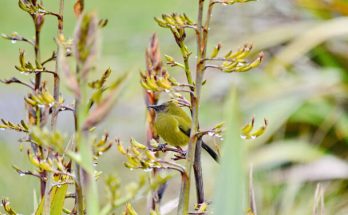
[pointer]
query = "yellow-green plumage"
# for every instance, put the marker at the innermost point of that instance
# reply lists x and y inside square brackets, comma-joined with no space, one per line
[173,125]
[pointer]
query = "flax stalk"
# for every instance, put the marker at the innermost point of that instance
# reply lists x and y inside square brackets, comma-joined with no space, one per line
[194,148]
[184,200]
[56,84]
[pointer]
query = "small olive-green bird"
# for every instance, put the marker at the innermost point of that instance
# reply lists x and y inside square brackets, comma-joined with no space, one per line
[173,125]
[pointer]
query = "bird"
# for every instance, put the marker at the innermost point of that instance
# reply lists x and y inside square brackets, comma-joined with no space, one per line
[173,125]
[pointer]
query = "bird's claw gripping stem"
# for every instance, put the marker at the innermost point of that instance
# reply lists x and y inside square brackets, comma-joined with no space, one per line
[181,154]
[162,147]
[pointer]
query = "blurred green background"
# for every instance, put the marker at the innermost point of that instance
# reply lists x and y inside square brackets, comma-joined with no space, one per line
[301,89]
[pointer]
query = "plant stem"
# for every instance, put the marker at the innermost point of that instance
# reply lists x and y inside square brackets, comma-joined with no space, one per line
[184,200]
[206,27]
[56,84]
[194,149]
[200,74]
[202,50]
[201,46]
[252,201]
[38,118]
[186,64]
[37,56]
[61,17]
[47,200]
[84,146]
[79,201]
[197,167]
[78,190]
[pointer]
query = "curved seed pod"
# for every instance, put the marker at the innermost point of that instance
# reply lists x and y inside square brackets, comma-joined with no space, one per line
[179,20]
[134,161]
[151,82]
[136,144]
[164,83]
[150,155]
[260,131]
[154,143]
[47,97]
[216,50]
[44,165]
[130,166]
[258,60]
[144,85]
[188,20]
[120,148]
[168,19]
[135,151]
[244,52]
[248,127]
[24,125]
[161,22]
[33,159]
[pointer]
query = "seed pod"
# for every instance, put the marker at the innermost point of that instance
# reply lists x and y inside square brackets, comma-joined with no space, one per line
[120,148]
[137,144]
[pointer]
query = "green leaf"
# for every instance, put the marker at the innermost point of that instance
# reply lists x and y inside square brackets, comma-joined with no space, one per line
[230,193]
[281,152]
[57,199]
[313,112]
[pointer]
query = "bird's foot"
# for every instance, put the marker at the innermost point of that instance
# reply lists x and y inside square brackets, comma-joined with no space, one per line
[162,147]
[180,154]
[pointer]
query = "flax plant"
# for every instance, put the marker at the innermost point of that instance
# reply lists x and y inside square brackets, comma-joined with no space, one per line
[158,80]
[60,162]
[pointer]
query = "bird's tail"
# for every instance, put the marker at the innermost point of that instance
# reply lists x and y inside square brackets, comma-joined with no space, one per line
[211,151]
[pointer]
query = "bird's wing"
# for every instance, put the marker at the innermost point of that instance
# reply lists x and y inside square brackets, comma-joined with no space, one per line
[187,132]
[184,126]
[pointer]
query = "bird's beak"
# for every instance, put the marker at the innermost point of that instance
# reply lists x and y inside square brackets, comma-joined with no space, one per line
[155,107]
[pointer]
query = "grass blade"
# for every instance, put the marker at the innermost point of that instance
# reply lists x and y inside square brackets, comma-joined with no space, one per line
[230,193]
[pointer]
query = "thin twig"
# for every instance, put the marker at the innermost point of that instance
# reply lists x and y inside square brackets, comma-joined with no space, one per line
[212,66]
[219,59]
[54,57]
[56,83]
[18,38]
[79,200]
[17,81]
[252,200]
[174,166]
[22,172]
